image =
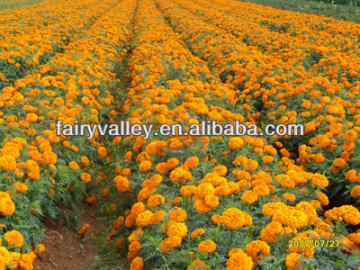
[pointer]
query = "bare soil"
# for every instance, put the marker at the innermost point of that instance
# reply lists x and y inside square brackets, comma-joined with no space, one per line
[66,250]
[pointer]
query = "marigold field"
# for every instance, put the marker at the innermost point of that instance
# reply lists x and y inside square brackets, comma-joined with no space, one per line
[181,202]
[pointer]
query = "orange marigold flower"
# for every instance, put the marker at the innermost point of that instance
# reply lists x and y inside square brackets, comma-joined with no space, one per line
[122,183]
[74,165]
[239,261]
[355,192]
[271,232]
[84,161]
[249,197]
[172,163]
[255,247]
[220,170]
[7,163]
[137,264]
[85,177]
[236,143]
[145,165]
[180,175]
[178,215]
[155,201]
[207,246]
[170,242]
[292,261]
[14,238]
[84,229]
[20,187]
[233,218]
[197,232]
[7,207]
[162,168]
[198,265]
[102,152]
[144,219]
[192,162]
[177,228]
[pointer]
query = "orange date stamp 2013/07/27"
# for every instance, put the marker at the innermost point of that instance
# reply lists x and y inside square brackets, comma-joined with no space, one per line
[314,243]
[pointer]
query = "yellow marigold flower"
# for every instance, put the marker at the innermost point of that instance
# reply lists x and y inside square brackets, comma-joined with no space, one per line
[14,238]
[145,165]
[207,246]
[137,264]
[26,261]
[5,256]
[255,247]
[117,140]
[7,163]
[134,235]
[197,232]
[15,258]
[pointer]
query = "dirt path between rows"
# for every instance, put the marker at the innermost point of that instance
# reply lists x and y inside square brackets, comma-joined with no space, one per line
[66,250]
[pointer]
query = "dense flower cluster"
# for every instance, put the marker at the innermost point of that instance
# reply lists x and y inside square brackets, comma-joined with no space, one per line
[182,202]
